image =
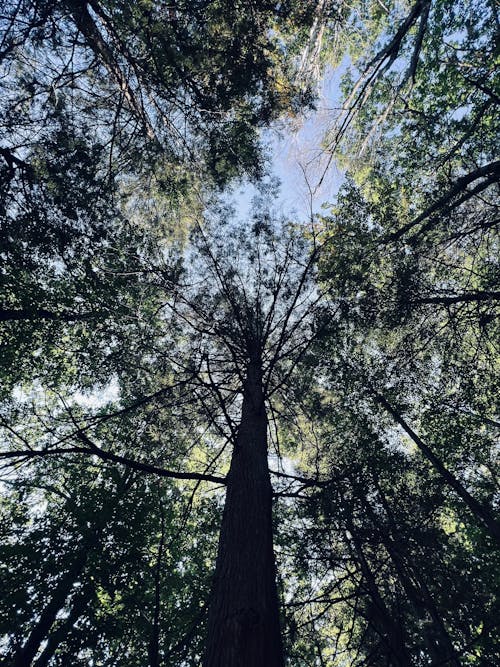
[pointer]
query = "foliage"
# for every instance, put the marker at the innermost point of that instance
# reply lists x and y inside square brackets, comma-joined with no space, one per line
[135,299]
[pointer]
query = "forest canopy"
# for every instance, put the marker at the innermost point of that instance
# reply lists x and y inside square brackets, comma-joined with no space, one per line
[234,434]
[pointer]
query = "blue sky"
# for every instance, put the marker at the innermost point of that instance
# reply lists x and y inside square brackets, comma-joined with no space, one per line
[297,157]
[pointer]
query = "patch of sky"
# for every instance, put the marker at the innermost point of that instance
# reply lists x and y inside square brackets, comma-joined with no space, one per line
[99,396]
[307,176]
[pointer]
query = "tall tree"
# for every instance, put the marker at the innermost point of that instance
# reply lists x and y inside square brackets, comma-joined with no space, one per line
[236,324]
[174,368]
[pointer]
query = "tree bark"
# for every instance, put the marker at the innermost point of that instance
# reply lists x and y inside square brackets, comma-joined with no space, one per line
[243,618]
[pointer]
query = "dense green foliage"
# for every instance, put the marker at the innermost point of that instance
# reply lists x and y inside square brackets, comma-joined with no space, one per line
[132,293]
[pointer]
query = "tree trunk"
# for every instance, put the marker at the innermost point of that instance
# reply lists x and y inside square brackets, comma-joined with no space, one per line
[435,634]
[243,618]
[154,642]
[25,655]
[479,510]
[390,629]
[63,631]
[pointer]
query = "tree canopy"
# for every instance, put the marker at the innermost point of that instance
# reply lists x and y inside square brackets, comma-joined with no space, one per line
[241,438]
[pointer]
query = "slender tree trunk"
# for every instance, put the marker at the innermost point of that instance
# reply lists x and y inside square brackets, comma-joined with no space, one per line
[243,619]
[26,654]
[435,633]
[439,627]
[63,631]
[154,642]
[479,510]
[390,629]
